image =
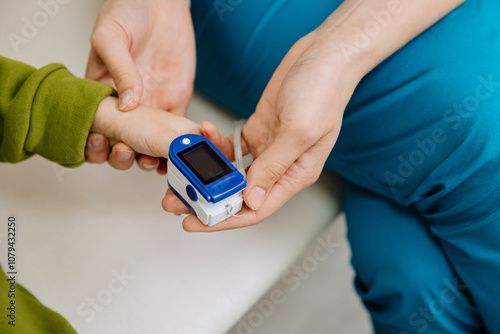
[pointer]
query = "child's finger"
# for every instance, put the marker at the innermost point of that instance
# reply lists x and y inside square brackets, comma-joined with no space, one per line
[162,168]
[97,149]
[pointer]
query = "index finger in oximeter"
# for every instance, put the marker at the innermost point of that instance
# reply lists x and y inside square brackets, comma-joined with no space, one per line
[204,179]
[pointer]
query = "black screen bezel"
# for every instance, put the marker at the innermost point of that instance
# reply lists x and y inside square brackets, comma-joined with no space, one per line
[227,169]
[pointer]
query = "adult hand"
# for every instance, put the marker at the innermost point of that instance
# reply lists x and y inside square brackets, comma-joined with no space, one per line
[146,50]
[298,118]
[290,135]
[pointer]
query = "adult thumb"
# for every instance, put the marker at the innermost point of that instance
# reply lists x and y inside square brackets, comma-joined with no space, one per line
[268,168]
[115,54]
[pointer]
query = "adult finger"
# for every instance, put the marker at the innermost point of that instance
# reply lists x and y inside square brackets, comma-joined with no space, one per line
[223,143]
[96,69]
[171,203]
[113,50]
[270,166]
[192,224]
[279,194]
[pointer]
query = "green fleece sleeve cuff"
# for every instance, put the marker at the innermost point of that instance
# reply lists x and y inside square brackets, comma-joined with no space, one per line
[47,112]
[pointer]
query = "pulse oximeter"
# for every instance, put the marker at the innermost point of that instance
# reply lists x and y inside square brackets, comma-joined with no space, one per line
[204,179]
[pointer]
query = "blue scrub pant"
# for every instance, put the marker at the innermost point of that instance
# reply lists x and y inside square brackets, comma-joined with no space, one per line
[419,152]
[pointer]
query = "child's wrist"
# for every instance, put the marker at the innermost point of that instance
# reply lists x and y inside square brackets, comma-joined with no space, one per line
[108,118]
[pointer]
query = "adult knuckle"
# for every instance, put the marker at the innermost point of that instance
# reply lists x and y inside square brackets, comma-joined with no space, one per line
[94,39]
[265,105]
[186,90]
[121,75]
[307,173]
[312,178]
[98,37]
[309,136]
[274,171]
[296,128]
[303,133]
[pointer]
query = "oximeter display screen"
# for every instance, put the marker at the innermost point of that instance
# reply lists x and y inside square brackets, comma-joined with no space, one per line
[205,163]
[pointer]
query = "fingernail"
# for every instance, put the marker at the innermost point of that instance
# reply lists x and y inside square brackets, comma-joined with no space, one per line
[149,166]
[123,155]
[256,198]
[125,98]
[97,140]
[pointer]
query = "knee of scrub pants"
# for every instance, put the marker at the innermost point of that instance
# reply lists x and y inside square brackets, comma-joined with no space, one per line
[464,211]
[402,274]
[429,117]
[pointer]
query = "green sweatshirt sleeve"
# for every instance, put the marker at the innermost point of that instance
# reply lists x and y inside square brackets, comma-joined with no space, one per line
[22,313]
[47,112]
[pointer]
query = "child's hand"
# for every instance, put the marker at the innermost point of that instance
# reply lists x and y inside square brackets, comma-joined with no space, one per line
[147,130]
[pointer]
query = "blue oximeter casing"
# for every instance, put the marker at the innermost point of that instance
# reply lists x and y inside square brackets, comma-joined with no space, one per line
[204,179]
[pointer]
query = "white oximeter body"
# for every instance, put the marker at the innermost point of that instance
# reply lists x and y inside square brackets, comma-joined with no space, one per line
[205,181]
